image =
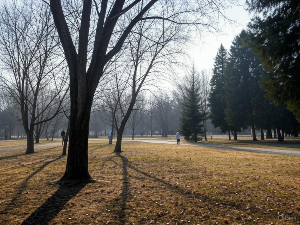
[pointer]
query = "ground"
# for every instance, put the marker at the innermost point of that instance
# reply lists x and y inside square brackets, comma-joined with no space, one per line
[153,183]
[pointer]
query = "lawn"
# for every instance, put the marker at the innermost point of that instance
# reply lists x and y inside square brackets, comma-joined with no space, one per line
[151,184]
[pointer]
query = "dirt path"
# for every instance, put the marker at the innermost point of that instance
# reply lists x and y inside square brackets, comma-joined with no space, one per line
[247,149]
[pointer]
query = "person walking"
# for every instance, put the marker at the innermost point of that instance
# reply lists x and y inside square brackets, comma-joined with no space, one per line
[178,137]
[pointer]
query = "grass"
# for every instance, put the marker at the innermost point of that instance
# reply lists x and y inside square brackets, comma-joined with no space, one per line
[151,184]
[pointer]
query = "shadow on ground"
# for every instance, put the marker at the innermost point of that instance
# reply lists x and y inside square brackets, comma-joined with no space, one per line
[49,210]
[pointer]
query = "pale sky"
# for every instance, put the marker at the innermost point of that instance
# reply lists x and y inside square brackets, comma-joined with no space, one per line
[204,53]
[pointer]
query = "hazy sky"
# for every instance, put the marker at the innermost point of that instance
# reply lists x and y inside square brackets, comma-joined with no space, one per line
[204,53]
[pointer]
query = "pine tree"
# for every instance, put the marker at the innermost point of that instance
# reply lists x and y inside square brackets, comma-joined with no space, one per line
[236,87]
[192,115]
[242,90]
[274,37]
[216,96]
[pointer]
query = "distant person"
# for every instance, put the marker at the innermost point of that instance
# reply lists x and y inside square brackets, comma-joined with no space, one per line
[210,135]
[110,137]
[178,137]
[62,134]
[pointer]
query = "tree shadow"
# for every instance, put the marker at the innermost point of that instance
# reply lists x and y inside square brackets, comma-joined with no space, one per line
[49,210]
[126,184]
[23,185]
[125,188]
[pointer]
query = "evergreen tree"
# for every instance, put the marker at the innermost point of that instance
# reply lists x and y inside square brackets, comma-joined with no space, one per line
[274,37]
[192,116]
[216,96]
[242,89]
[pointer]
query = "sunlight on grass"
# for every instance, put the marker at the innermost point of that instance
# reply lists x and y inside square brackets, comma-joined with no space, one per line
[152,184]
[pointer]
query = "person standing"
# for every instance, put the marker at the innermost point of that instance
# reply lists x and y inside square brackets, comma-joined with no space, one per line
[110,137]
[63,134]
[178,137]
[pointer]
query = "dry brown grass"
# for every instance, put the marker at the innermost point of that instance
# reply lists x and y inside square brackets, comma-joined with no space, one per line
[152,184]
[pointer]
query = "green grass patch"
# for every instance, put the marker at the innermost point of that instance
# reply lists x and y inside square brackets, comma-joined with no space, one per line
[151,184]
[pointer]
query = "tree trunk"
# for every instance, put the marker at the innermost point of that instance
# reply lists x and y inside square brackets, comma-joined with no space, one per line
[253,133]
[235,135]
[262,135]
[279,135]
[30,142]
[37,138]
[269,133]
[118,147]
[77,162]
[229,135]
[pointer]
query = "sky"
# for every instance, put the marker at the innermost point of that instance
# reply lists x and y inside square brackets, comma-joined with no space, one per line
[205,51]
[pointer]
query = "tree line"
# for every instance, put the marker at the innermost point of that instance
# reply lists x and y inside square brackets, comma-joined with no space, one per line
[238,99]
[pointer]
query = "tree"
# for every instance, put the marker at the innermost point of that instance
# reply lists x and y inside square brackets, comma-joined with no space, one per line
[274,37]
[192,114]
[28,55]
[146,55]
[236,106]
[217,94]
[108,38]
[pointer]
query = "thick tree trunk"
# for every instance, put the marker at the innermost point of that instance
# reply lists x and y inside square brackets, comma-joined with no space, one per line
[30,142]
[77,162]
[229,135]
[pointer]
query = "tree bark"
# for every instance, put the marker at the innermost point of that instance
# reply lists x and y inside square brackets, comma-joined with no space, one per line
[77,162]
[235,135]
[118,147]
[279,135]
[30,142]
[262,135]
[269,133]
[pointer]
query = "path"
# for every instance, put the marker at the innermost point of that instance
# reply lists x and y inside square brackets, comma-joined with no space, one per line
[247,149]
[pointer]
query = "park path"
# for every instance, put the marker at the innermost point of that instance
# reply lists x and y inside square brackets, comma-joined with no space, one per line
[245,149]
[156,141]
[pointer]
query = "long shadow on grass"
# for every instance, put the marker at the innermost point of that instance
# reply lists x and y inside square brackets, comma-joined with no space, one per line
[125,189]
[124,194]
[49,210]
[24,185]
[174,188]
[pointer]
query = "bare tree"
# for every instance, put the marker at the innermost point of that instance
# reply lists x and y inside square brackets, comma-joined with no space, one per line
[28,54]
[114,22]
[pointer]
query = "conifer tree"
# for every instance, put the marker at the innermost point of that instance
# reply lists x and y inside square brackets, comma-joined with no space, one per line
[216,96]
[192,115]
[243,73]
[274,37]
